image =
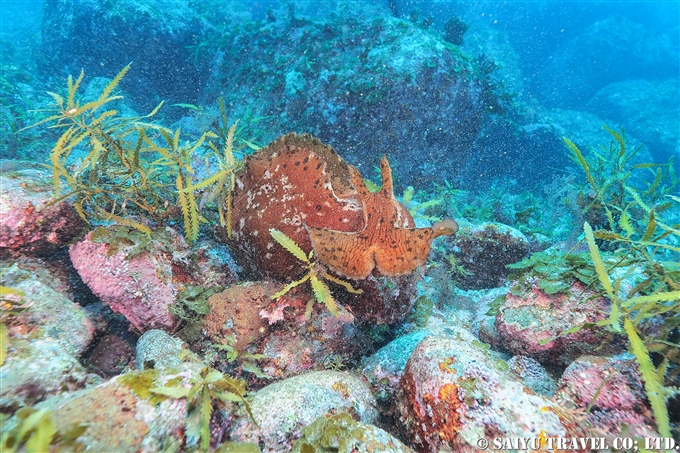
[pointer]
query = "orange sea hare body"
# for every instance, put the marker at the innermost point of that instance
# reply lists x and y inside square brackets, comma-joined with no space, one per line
[387,242]
[303,188]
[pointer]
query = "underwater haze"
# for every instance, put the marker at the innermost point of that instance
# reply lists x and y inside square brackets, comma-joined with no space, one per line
[339,226]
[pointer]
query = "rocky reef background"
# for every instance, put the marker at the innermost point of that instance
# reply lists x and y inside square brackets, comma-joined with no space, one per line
[469,101]
[466,93]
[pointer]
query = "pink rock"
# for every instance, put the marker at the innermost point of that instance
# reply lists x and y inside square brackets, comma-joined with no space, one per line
[527,320]
[612,388]
[324,341]
[28,224]
[140,288]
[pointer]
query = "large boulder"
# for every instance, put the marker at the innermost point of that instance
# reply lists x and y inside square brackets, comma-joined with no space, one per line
[608,51]
[140,275]
[454,392]
[656,123]
[46,337]
[368,86]
[282,409]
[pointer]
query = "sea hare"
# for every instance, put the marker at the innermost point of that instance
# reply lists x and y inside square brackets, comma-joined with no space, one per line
[303,188]
[387,241]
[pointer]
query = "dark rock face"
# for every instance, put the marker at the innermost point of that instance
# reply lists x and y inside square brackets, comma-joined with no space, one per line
[367,87]
[483,251]
[101,37]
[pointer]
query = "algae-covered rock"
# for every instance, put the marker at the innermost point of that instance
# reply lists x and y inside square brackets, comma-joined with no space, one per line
[533,375]
[282,409]
[29,223]
[342,434]
[156,349]
[140,275]
[37,369]
[454,392]
[118,419]
[482,253]
[533,322]
[46,338]
[365,85]
[612,389]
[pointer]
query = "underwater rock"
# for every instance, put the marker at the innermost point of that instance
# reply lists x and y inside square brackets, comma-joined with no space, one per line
[215,266]
[482,252]
[607,51]
[38,369]
[46,336]
[613,390]
[282,409]
[528,316]
[103,37]
[297,344]
[45,312]
[140,287]
[235,312]
[28,223]
[112,355]
[118,419]
[657,122]
[384,368]
[156,350]
[140,275]
[533,375]
[365,85]
[245,317]
[453,392]
[341,433]
[384,300]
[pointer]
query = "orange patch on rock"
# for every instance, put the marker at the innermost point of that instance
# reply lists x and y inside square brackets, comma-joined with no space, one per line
[236,312]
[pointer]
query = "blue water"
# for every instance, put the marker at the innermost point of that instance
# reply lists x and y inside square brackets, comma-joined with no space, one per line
[470,101]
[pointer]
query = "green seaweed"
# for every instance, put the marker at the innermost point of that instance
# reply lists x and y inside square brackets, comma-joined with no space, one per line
[141,382]
[132,241]
[552,271]
[192,302]
[422,309]
[35,431]
[133,172]
[639,237]
[207,388]
[338,433]
[322,293]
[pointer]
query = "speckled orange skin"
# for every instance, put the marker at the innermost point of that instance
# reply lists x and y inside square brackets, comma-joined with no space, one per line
[303,188]
[294,181]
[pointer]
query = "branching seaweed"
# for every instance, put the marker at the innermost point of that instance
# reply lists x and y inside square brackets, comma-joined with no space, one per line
[207,388]
[322,293]
[640,238]
[133,172]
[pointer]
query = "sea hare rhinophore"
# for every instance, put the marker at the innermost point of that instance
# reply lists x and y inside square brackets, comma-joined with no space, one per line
[303,188]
